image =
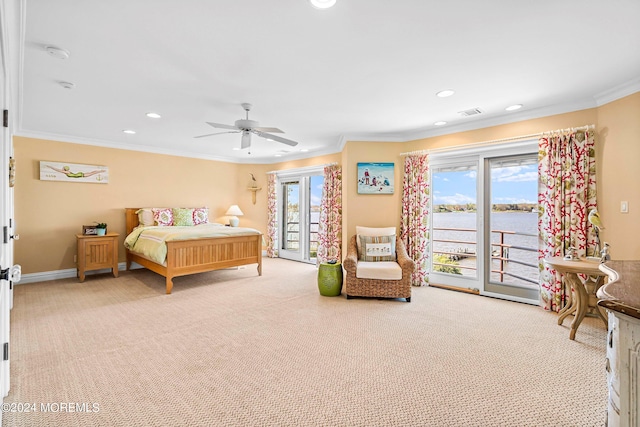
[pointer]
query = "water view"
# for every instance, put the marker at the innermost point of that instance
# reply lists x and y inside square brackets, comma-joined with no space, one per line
[514,245]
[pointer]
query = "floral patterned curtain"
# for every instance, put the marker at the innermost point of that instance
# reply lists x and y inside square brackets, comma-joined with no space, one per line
[330,226]
[414,226]
[566,194]
[272,217]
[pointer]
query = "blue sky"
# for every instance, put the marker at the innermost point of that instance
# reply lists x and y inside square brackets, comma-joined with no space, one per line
[316,191]
[513,184]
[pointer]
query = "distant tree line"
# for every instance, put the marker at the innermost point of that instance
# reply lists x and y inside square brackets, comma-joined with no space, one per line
[498,207]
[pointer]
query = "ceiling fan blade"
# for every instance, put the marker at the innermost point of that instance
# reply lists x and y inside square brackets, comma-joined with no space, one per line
[273,130]
[246,140]
[222,126]
[277,138]
[217,133]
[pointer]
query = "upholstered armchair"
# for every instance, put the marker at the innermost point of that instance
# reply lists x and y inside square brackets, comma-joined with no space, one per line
[378,267]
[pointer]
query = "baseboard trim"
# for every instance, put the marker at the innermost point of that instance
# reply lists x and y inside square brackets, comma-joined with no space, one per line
[455,288]
[67,273]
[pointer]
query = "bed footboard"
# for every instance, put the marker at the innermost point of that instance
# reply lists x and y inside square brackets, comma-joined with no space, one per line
[192,256]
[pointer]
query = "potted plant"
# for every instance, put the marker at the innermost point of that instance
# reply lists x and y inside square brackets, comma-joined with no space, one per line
[101,228]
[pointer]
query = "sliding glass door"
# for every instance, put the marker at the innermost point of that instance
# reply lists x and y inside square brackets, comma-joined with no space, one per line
[299,216]
[513,226]
[454,235]
[484,221]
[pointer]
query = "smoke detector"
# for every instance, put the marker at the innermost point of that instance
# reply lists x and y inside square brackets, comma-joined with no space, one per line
[67,85]
[56,52]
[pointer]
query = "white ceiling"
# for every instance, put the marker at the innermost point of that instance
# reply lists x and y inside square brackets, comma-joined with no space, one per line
[363,70]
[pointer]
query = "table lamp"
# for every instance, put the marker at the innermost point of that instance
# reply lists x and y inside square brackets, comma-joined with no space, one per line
[234,212]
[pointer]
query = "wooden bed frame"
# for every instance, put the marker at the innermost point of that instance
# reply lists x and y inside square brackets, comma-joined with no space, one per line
[186,257]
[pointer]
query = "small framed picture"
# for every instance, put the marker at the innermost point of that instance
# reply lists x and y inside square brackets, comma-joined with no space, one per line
[89,230]
[375,178]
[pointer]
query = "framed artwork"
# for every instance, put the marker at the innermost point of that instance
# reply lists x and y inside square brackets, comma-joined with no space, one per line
[90,230]
[73,172]
[375,178]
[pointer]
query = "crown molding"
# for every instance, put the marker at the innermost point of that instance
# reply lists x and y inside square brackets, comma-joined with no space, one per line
[617,92]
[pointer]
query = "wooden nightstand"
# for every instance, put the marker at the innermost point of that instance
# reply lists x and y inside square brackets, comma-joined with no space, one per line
[96,252]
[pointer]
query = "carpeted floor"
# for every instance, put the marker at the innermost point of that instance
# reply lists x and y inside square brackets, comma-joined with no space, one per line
[229,348]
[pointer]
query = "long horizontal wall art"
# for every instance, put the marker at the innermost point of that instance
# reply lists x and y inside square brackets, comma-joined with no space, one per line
[73,172]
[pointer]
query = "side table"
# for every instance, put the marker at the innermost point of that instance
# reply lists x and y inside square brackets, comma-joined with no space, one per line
[583,296]
[96,252]
[330,279]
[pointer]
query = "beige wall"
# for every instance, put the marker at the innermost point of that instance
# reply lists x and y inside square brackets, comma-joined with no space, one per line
[369,210]
[619,175]
[49,214]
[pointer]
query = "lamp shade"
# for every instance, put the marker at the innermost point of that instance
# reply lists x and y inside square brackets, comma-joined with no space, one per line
[234,210]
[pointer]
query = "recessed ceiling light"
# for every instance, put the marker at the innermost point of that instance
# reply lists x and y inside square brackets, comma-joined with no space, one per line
[56,52]
[129,131]
[236,149]
[304,150]
[67,85]
[445,93]
[514,107]
[322,4]
[154,115]
[440,123]
[277,155]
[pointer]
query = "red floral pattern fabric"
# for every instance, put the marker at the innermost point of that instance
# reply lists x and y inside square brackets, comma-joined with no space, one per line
[330,222]
[272,217]
[566,194]
[414,224]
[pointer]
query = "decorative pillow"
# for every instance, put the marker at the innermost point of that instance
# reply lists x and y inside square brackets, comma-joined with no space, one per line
[145,217]
[372,231]
[378,248]
[162,217]
[183,217]
[200,216]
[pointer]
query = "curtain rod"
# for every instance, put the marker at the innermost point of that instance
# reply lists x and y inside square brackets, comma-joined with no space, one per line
[497,141]
[303,169]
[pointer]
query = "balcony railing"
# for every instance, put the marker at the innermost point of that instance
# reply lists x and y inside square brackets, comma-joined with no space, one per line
[500,252]
[293,237]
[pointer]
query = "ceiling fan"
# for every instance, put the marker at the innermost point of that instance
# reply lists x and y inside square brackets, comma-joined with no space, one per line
[247,127]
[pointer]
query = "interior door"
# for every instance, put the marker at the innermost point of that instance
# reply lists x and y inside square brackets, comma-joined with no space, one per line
[6,207]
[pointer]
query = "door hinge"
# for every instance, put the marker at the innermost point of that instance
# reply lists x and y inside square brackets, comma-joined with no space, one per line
[5,118]
[6,351]
[5,234]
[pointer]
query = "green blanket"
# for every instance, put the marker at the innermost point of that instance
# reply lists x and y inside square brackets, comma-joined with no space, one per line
[150,241]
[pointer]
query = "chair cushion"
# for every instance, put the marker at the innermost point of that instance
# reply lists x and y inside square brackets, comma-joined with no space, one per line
[377,248]
[382,270]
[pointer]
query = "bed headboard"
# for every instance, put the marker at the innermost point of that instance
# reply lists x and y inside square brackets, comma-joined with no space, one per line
[131,218]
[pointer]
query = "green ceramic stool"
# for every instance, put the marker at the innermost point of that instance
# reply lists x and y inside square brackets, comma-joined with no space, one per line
[330,279]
